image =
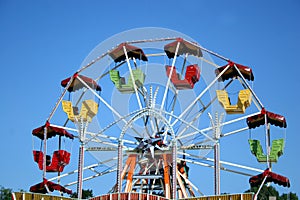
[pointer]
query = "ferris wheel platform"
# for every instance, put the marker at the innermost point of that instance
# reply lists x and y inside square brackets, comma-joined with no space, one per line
[129,196]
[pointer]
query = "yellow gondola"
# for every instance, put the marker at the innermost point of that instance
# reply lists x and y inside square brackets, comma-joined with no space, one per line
[89,109]
[244,101]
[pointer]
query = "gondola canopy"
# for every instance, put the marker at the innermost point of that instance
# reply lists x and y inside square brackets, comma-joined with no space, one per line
[271,177]
[184,48]
[231,72]
[118,53]
[51,132]
[42,187]
[77,84]
[272,118]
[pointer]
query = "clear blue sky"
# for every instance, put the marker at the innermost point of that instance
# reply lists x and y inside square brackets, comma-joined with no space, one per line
[43,42]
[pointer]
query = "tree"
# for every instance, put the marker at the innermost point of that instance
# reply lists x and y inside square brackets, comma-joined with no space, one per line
[269,191]
[5,193]
[290,196]
[85,194]
[265,192]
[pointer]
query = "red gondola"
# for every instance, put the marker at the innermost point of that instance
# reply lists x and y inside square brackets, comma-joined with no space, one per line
[60,158]
[192,76]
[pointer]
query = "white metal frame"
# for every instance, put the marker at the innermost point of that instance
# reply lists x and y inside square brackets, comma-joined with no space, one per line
[102,136]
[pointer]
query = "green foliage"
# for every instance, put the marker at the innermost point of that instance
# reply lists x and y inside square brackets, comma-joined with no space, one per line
[85,194]
[5,193]
[267,192]
[289,196]
[270,191]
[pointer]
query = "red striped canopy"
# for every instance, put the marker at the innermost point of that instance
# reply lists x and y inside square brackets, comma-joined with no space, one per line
[231,72]
[132,52]
[272,118]
[271,177]
[76,84]
[184,47]
[51,132]
[41,187]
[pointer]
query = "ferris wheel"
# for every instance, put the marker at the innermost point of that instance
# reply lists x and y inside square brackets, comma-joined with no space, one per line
[148,105]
